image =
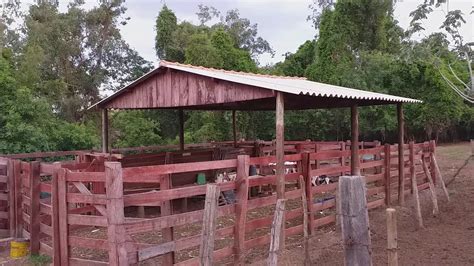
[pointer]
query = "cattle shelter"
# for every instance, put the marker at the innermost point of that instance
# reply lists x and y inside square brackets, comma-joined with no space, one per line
[132,205]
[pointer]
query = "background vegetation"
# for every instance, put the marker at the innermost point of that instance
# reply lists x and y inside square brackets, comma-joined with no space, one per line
[54,64]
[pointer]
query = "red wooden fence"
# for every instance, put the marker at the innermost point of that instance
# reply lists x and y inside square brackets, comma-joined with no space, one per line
[58,207]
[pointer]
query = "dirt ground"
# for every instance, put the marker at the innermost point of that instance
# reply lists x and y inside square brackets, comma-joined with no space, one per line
[447,239]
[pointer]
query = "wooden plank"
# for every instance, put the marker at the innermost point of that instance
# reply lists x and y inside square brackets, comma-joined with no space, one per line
[170,194]
[56,238]
[134,227]
[11,197]
[35,191]
[18,197]
[434,198]
[388,191]
[241,206]
[354,221]
[3,179]
[78,219]
[94,199]
[153,171]
[45,249]
[45,187]
[392,236]
[209,225]
[439,176]
[86,177]
[85,262]
[85,242]
[277,228]
[416,197]
[63,221]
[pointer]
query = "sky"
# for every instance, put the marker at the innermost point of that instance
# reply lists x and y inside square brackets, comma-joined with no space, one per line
[281,22]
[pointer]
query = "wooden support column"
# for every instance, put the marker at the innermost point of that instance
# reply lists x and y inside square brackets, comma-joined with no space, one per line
[181,130]
[105,131]
[280,154]
[35,190]
[306,163]
[116,235]
[241,196]
[401,163]
[234,128]
[355,221]
[280,149]
[355,161]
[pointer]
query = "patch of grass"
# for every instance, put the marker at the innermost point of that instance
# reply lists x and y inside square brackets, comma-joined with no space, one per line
[40,260]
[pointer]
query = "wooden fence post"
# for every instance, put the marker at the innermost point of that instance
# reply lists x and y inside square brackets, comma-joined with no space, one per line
[115,214]
[355,221]
[18,198]
[275,237]
[414,186]
[432,165]
[242,191]
[306,216]
[63,213]
[388,180]
[392,235]
[434,197]
[439,176]
[306,168]
[209,225]
[11,197]
[56,258]
[34,193]
[166,209]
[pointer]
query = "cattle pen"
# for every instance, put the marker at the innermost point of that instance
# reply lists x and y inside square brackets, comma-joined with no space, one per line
[145,204]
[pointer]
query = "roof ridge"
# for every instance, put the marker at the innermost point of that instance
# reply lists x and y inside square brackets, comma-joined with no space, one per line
[166,63]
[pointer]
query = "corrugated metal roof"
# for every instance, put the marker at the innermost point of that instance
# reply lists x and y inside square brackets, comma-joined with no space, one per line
[292,85]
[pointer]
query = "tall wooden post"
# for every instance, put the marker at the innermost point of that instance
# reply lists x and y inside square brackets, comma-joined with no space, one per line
[116,235]
[105,130]
[355,162]
[280,149]
[392,236]
[401,159]
[181,130]
[234,128]
[414,185]
[35,190]
[280,154]
[354,221]
[242,192]
[209,225]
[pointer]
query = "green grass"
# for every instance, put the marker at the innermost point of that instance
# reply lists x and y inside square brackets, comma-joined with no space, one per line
[40,260]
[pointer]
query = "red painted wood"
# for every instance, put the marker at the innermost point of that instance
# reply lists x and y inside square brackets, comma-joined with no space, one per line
[180,89]
[241,206]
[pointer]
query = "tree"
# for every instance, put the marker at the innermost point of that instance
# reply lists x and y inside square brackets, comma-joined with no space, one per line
[453,21]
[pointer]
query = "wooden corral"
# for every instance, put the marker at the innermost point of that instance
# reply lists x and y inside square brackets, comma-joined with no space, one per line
[83,212]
